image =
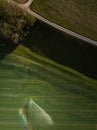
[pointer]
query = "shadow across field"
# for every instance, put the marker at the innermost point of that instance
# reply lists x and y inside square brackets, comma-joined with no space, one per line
[63,49]
[6,47]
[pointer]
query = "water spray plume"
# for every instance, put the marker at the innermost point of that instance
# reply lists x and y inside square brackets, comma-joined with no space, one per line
[33,115]
[23,118]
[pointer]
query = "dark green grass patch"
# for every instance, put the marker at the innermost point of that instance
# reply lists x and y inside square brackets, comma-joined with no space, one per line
[77,15]
[63,49]
[68,96]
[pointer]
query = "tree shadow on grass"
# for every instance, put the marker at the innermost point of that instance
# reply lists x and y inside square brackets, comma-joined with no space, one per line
[63,49]
[6,47]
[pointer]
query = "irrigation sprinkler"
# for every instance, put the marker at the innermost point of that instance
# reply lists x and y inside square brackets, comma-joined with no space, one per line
[34,117]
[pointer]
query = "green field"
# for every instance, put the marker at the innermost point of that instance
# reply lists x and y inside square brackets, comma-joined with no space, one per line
[77,15]
[37,69]
[69,97]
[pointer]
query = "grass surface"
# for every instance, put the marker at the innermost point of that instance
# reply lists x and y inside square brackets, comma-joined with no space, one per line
[77,15]
[68,96]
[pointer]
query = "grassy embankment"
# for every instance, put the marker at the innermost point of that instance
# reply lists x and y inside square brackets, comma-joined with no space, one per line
[68,96]
[77,15]
[63,49]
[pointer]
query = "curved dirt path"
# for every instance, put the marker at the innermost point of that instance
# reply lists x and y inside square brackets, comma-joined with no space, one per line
[26,5]
[58,27]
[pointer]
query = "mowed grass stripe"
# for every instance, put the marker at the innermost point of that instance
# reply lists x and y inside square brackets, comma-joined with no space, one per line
[3,109]
[34,61]
[19,81]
